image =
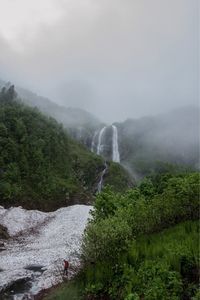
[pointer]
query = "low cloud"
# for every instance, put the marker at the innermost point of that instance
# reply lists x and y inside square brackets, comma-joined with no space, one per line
[115,58]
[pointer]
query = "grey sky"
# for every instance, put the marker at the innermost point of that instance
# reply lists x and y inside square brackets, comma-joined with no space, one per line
[115,58]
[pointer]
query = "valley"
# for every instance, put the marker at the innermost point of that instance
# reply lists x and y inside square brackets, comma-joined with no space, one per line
[99,150]
[133,177]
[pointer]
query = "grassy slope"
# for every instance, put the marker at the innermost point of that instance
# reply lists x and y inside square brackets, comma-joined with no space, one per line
[67,291]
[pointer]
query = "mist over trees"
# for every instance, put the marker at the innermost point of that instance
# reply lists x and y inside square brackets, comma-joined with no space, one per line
[40,165]
[150,142]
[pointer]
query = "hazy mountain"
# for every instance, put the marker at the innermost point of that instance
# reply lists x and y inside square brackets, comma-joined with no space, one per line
[41,166]
[169,138]
[80,123]
[144,144]
[149,142]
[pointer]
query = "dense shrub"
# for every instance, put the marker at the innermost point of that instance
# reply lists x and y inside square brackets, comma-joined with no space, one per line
[133,236]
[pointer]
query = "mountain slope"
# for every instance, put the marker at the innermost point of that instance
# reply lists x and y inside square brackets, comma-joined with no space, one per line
[40,165]
[152,144]
[146,145]
[79,123]
[171,138]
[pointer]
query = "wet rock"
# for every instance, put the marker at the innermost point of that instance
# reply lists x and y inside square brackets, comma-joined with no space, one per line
[3,233]
[35,268]
[2,246]
[19,288]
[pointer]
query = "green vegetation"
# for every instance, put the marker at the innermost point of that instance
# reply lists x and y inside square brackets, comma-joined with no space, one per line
[40,165]
[69,291]
[133,247]
[142,244]
[117,178]
[157,266]
[150,144]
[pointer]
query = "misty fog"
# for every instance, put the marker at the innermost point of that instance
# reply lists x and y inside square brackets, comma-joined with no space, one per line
[116,59]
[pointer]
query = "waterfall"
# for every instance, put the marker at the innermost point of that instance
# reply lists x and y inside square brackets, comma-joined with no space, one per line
[99,150]
[115,148]
[93,141]
[100,184]
[99,146]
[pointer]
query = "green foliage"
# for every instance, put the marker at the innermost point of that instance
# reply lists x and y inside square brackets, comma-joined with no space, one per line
[155,281]
[147,188]
[40,165]
[158,266]
[117,177]
[197,295]
[166,143]
[104,236]
[135,251]
[146,210]
[106,203]
[175,250]
[71,291]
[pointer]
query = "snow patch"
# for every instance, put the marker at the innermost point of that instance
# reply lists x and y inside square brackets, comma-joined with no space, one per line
[17,219]
[53,237]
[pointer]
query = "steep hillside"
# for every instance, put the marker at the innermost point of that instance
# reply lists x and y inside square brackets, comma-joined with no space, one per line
[40,165]
[79,123]
[152,144]
[146,145]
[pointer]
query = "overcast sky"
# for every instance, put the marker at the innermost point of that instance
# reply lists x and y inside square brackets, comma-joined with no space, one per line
[115,58]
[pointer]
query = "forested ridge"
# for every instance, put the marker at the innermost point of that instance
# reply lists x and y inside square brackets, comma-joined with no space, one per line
[40,165]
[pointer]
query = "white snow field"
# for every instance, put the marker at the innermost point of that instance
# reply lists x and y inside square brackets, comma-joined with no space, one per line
[40,241]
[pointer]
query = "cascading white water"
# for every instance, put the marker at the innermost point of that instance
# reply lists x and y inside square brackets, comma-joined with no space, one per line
[93,141]
[115,148]
[100,184]
[99,150]
[99,146]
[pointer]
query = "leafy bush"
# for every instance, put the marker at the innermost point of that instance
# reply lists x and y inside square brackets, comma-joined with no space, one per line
[135,234]
[104,236]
